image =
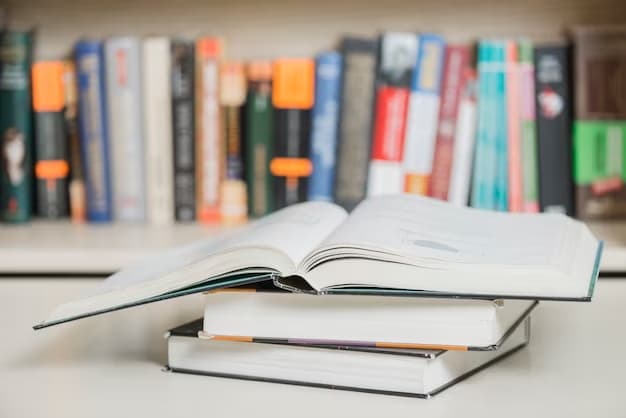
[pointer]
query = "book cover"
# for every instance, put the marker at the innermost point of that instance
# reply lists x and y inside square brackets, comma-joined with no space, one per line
[485,155]
[530,157]
[464,141]
[15,126]
[421,125]
[514,90]
[599,143]
[51,164]
[292,96]
[182,85]
[553,97]
[77,197]
[233,192]
[355,120]
[396,61]
[93,129]
[259,138]
[210,152]
[159,144]
[455,63]
[124,99]
[324,125]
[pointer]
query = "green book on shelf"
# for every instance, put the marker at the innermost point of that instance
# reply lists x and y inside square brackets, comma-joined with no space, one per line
[15,126]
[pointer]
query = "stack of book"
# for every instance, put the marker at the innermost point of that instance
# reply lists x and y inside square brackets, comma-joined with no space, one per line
[164,130]
[406,295]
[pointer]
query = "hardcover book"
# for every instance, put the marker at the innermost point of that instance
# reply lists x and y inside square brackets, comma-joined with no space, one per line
[464,141]
[183,129]
[390,371]
[159,144]
[553,82]
[456,61]
[51,165]
[93,129]
[599,140]
[355,130]
[70,113]
[499,120]
[529,147]
[123,63]
[233,194]
[324,125]
[210,152]
[259,138]
[421,125]
[395,245]
[15,126]
[292,96]
[514,91]
[397,55]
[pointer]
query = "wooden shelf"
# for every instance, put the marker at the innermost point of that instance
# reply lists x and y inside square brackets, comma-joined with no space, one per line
[64,248]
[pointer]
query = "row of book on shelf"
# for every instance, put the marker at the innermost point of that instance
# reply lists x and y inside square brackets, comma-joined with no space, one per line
[165,130]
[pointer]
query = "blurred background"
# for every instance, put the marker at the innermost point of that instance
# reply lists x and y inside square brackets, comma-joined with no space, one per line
[128,127]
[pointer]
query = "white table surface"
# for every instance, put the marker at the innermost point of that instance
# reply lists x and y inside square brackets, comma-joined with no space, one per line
[110,366]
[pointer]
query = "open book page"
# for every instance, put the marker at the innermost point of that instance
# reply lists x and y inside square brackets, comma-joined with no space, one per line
[275,243]
[435,234]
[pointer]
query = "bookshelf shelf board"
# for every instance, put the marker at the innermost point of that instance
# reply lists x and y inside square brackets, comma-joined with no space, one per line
[45,248]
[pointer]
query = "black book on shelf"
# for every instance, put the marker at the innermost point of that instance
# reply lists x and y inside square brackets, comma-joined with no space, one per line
[553,92]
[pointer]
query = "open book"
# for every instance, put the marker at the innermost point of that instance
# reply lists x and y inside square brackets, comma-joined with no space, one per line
[390,245]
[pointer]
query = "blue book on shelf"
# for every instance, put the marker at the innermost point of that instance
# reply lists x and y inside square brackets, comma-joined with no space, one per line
[325,121]
[92,124]
[501,133]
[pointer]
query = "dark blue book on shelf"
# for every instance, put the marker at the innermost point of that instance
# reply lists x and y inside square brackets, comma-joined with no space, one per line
[325,121]
[93,131]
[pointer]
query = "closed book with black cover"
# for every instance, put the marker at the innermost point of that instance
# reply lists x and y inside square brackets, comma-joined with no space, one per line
[554,134]
[355,120]
[183,129]
[51,165]
[390,371]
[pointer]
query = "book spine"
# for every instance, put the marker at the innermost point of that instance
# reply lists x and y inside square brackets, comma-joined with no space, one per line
[259,138]
[123,69]
[324,130]
[183,131]
[292,96]
[464,142]
[397,52]
[530,165]
[483,182]
[158,130]
[514,91]
[77,195]
[421,128]
[15,126]
[500,139]
[456,62]
[210,154]
[554,119]
[92,121]
[355,120]
[233,192]
[51,165]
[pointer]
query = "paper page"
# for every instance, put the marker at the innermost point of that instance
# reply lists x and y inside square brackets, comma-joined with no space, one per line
[422,228]
[294,231]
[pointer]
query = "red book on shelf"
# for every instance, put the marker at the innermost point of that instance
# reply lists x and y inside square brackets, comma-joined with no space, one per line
[456,61]
[516,196]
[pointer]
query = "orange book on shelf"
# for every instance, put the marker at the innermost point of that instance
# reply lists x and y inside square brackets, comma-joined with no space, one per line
[516,201]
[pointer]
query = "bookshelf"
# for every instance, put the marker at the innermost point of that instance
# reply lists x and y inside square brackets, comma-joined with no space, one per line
[300,28]
[61,248]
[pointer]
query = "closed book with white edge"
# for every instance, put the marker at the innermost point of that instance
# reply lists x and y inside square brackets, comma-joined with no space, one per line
[158,130]
[391,371]
[124,98]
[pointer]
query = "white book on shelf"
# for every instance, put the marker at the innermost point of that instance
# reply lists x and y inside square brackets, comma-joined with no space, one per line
[158,130]
[124,96]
